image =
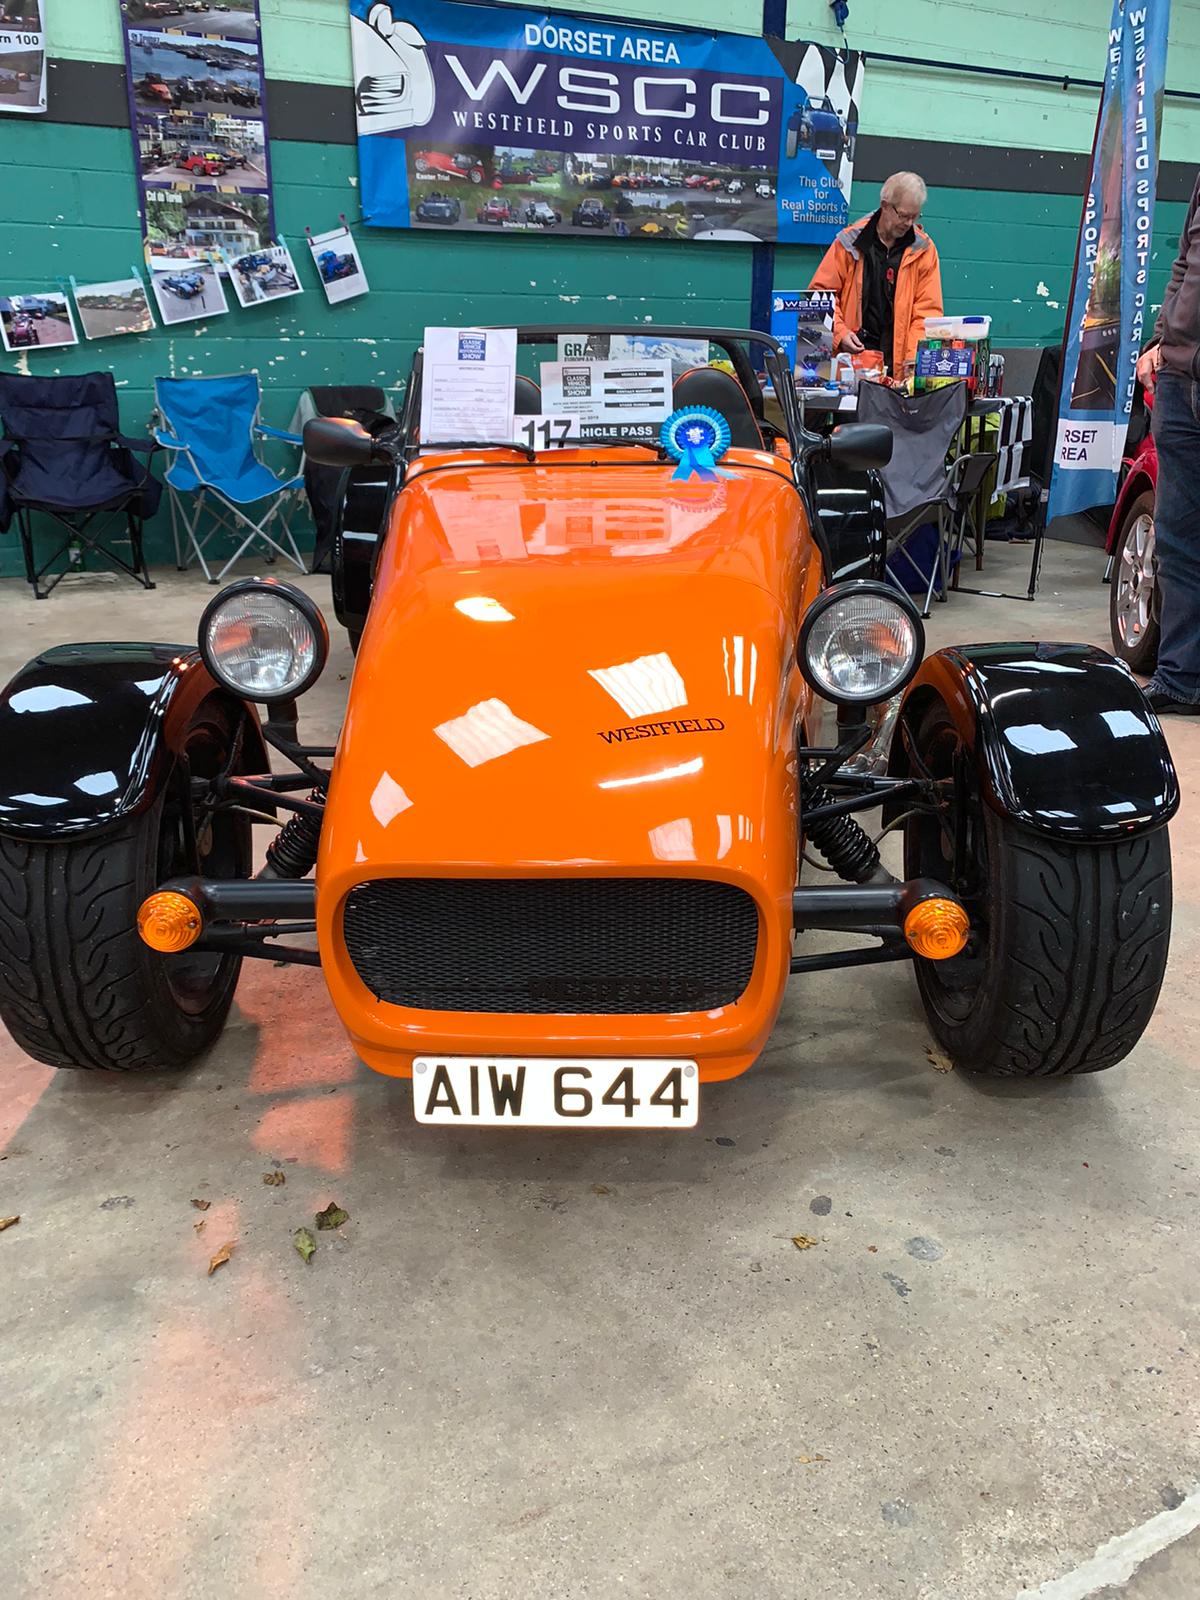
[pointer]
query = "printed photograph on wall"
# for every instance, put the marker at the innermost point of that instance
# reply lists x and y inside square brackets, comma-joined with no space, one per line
[189,291]
[36,321]
[205,224]
[175,72]
[337,260]
[235,20]
[22,72]
[263,275]
[20,16]
[207,150]
[194,79]
[107,309]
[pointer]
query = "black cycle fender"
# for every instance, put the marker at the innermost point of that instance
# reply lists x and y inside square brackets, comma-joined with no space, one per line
[361,521]
[89,734]
[1063,739]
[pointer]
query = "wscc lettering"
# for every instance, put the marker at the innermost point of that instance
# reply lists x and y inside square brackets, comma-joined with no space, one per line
[598,92]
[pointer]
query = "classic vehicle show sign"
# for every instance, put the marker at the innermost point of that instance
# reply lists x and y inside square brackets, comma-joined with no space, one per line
[474,117]
[197,110]
[1107,323]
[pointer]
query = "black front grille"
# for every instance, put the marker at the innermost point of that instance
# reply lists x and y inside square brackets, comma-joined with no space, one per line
[601,946]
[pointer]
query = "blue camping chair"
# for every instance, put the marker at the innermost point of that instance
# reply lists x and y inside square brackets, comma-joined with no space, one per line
[63,456]
[210,424]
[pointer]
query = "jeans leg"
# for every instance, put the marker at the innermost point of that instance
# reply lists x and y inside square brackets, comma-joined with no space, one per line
[1177,535]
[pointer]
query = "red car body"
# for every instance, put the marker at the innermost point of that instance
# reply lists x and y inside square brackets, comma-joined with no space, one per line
[1139,473]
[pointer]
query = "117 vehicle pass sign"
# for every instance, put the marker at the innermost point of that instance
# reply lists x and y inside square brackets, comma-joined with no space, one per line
[476,117]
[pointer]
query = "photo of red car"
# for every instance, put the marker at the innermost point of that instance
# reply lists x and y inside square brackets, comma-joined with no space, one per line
[449,164]
[495,211]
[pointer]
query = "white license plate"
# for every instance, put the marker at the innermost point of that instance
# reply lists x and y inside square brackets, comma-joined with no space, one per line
[555,1091]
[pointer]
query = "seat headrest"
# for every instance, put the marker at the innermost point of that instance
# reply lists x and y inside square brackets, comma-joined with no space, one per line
[709,386]
[529,397]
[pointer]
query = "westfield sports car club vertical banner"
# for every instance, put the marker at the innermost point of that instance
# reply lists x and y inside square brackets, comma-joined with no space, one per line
[1107,320]
[197,110]
[23,56]
[476,117]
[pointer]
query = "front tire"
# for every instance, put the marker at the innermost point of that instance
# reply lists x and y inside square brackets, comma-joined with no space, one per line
[1133,595]
[78,988]
[1068,944]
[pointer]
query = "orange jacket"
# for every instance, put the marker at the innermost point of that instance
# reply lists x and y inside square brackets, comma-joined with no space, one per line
[918,290]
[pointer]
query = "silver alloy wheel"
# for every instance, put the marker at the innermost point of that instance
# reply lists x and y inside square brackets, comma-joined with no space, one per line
[1136,578]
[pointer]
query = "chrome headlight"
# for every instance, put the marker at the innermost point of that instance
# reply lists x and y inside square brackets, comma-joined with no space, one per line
[264,640]
[860,643]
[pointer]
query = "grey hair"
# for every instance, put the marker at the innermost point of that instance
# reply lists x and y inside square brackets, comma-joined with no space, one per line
[905,184]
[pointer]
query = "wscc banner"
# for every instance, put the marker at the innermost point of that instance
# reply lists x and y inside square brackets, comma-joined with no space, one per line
[477,117]
[1106,323]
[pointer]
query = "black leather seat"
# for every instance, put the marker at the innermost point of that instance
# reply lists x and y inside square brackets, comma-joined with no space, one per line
[529,397]
[709,386]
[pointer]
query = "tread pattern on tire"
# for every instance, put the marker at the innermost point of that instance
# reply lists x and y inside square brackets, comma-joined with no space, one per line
[75,984]
[1083,933]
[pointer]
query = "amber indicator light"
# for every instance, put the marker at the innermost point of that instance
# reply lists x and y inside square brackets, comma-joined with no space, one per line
[937,929]
[168,922]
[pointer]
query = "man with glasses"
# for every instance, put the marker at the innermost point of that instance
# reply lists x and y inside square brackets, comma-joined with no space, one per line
[885,272]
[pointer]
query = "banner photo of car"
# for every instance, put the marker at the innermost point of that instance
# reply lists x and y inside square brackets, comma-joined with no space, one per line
[484,118]
[1107,321]
[336,257]
[197,110]
[22,57]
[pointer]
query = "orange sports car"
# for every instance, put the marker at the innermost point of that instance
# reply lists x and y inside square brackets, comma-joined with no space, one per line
[554,865]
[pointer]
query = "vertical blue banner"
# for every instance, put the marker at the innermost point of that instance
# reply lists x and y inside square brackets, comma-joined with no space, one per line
[1106,321]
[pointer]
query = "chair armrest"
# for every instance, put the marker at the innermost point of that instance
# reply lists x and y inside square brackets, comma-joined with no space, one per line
[168,441]
[143,445]
[277,433]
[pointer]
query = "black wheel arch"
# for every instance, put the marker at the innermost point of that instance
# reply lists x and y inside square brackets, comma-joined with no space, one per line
[91,733]
[1061,738]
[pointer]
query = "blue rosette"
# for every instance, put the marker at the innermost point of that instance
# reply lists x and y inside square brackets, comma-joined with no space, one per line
[697,437]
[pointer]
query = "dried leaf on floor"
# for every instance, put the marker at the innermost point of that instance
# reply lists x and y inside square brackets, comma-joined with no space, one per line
[332,1217]
[8,1222]
[304,1242]
[601,1188]
[938,1061]
[873,1249]
[804,1241]
[809,1460]
[273,1179]
[202,1205]
[200,1226]
[221,1257]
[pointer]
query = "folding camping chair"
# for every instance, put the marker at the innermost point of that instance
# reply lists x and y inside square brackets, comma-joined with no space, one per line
[918,487]
[63,454]
[210,424]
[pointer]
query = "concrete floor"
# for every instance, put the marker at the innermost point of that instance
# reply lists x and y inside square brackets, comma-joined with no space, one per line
[539,1366]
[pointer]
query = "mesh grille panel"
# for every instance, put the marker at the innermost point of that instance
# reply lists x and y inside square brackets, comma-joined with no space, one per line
[598,946]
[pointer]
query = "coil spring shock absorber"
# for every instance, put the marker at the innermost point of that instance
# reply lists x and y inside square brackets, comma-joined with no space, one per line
[844,844]
[292,853]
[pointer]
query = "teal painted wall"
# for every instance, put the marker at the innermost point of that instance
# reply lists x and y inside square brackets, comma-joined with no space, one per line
[69,203]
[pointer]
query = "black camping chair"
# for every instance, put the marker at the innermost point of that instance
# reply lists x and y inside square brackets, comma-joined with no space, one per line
[63,454]
[918,487]
[366,405]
